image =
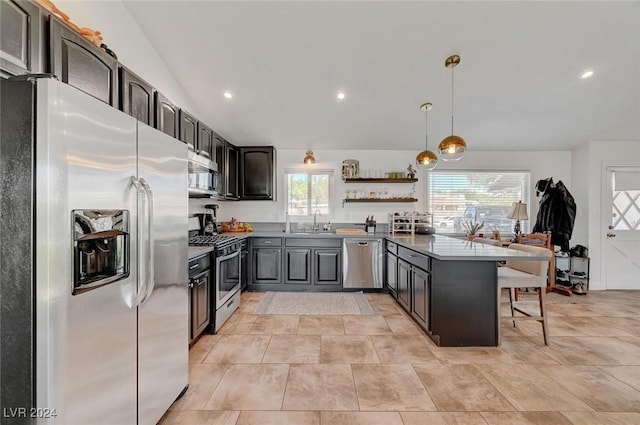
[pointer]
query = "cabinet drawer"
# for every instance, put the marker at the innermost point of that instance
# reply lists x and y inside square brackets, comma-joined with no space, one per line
[392,247]
[266,242]
[418,260]
[199,264]
[314,242]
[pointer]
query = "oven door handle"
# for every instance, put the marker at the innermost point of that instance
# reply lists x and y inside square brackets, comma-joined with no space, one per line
[151,283]
[228,256]
[141,284]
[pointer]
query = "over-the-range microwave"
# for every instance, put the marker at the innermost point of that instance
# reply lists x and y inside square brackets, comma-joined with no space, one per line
[204,177]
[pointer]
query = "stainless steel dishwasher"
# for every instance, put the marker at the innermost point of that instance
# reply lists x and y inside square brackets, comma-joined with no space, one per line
[362,263]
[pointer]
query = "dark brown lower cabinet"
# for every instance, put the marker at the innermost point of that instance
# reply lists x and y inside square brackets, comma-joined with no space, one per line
[297,266]
[420,286]
[266,266]
[404,284]
[200,303]
[327,266]
[392,274]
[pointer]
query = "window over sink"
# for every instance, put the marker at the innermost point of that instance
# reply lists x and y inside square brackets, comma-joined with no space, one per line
[308,191]
[457,196]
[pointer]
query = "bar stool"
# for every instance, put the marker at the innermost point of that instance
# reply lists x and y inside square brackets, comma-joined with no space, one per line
[525,274]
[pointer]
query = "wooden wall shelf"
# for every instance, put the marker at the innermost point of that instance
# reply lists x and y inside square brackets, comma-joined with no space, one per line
[380,180]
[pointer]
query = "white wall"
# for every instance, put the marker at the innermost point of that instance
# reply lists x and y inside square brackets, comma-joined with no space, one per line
[589,176]
[121,33]
[556,164]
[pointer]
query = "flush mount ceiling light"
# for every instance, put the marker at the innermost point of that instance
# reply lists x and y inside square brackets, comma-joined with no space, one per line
[340,95]
[587,74]
[309,158]
[452,147]
[426,159]
[227,94]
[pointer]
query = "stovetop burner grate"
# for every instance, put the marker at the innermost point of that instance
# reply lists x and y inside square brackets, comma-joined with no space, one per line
[212,240]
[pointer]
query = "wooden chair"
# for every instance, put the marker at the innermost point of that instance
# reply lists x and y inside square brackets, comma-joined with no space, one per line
[544,240]
[493,242]
[525,274]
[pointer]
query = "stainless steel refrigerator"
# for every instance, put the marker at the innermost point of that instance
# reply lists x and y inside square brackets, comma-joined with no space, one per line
[93,220]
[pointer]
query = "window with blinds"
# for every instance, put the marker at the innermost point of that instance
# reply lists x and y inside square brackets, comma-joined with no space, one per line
[457,196]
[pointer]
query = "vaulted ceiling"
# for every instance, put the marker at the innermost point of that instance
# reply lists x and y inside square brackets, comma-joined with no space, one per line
[518,85]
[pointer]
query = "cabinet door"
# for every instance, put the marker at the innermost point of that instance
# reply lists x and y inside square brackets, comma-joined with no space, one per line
[267,265]
[231,170]
[404,284]
[392,274]
[136,96]
[257,168]
[297,266]
[327,266]
[244,269]
[81,64]
[420,296]
[200,304]
[166,116]
[188,129]
[205,140]
[19,37]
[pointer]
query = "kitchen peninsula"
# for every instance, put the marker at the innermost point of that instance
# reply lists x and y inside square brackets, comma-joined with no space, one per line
[447,285]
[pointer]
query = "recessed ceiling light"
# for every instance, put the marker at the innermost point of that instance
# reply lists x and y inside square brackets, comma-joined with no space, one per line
[340,95]
[227,94]
[587,74]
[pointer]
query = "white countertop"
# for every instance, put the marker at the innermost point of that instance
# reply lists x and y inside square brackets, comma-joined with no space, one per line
[440,247]
[447,248]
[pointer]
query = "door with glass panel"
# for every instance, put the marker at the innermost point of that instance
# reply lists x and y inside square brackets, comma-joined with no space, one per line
[621,227]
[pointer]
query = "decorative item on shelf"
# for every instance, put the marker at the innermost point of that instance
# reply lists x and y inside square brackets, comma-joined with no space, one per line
[426,159]
[518,212]
[411,171]
[471,228]
[453,147]
[410,222]
[350,169]
[309,158]
[94,36]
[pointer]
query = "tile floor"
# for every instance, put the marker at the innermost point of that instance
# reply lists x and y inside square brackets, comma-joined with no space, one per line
[380,369]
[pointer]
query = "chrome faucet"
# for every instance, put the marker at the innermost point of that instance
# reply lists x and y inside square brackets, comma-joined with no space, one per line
[315,220]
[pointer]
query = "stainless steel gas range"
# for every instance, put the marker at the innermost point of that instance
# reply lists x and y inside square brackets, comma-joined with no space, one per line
[225,293]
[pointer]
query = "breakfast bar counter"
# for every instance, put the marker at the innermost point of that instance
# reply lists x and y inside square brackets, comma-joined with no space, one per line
[449,286]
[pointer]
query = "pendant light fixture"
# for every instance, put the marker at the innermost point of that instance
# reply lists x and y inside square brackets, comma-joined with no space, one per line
[452,147]
[309,158]
[426,159]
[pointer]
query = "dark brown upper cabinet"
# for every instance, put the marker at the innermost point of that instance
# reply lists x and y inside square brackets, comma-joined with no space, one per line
[136,97]
[188,129]
[232,159]
[257,173]
[218,156]
[166,116]
[205,140]
[19,37]
[79,63]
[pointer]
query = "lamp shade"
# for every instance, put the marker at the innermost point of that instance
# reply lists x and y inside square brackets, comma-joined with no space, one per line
[518,211]
[309,158]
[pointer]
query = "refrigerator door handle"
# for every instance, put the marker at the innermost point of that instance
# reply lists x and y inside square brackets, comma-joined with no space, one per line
[142,272]
[150,278]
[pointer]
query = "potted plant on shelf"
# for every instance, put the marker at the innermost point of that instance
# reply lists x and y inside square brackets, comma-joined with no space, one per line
[472,227]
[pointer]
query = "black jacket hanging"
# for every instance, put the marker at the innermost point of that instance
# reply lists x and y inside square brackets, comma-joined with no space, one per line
[557,212]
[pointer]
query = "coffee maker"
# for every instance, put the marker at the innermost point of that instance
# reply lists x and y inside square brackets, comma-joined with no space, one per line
[208,220]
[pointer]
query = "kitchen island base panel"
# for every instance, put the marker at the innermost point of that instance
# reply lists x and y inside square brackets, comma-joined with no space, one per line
[464,303]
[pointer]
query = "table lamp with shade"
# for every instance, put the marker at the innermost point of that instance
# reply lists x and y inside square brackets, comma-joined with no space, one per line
[518,212]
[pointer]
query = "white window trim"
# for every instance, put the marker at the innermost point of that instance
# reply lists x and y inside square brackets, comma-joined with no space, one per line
[313,171]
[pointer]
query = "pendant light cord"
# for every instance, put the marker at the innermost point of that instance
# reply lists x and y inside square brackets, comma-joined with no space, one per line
[452,84]
[426,129]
